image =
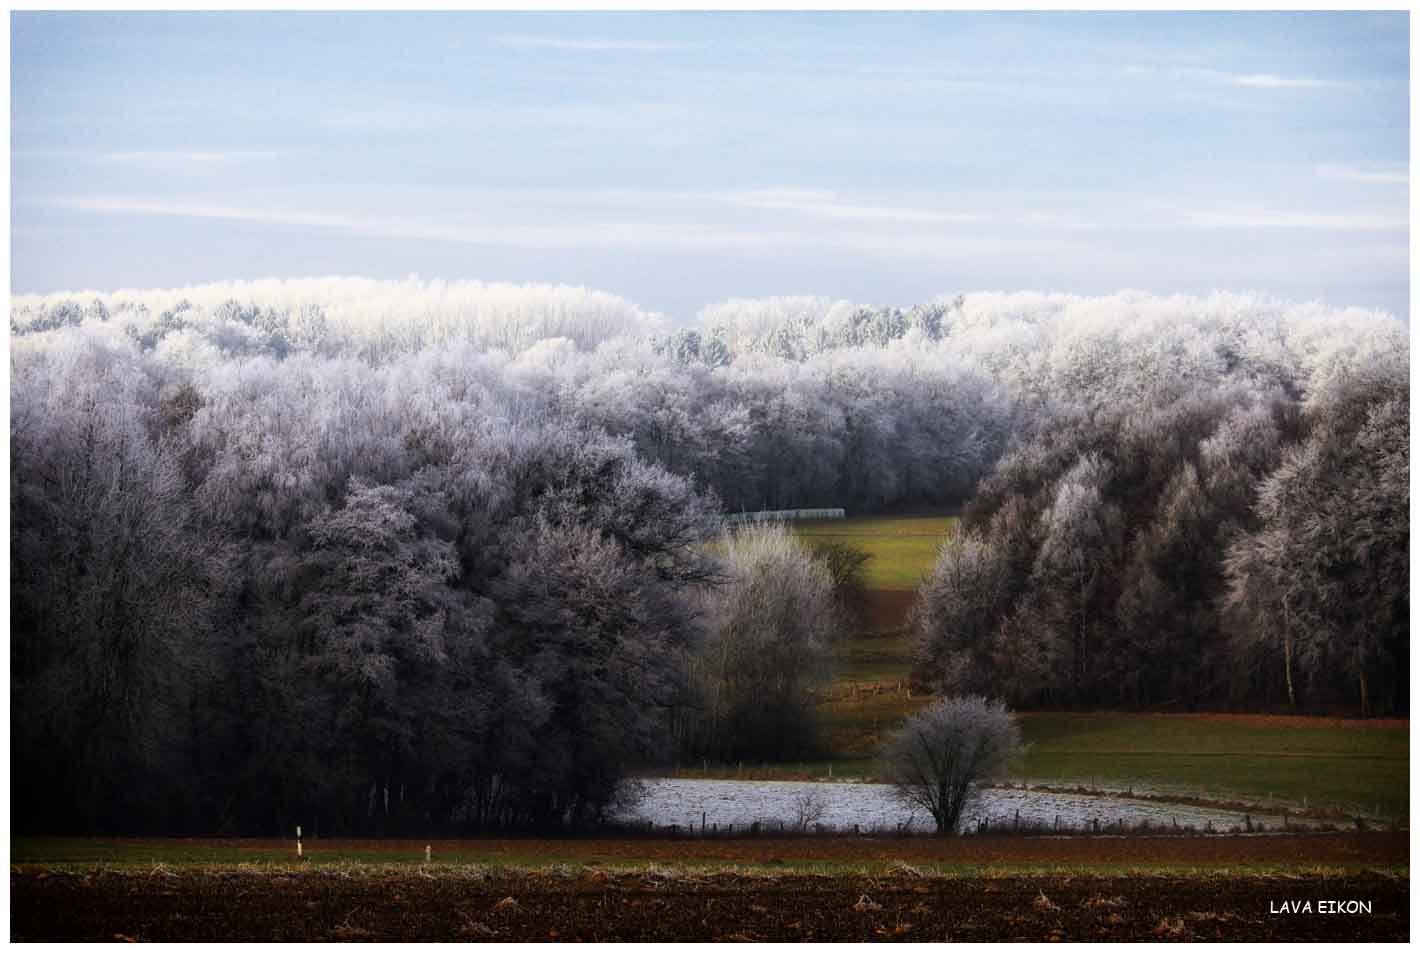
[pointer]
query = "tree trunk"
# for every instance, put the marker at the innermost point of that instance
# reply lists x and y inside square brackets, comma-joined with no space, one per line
[1287,664]
[1365,692]
[1287,652]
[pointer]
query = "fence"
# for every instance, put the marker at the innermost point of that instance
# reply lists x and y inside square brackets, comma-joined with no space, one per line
[971,827]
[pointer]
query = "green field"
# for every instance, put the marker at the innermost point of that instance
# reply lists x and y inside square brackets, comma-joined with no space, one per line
[1353,766]
[901,550]
[1313,766]
[478,858]
[1347,766]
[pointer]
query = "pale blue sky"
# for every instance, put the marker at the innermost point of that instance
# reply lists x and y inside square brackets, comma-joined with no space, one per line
[682,159]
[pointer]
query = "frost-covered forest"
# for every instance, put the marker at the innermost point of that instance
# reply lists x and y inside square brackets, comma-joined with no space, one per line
[408,556]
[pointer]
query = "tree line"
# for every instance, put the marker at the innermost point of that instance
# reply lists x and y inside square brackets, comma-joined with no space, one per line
[386,557]
[312,593]
[1216,548]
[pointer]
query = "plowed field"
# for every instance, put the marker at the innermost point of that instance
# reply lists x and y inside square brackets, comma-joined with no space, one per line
[458,904]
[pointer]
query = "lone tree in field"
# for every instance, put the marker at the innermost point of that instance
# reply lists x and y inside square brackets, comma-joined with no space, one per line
[944,751]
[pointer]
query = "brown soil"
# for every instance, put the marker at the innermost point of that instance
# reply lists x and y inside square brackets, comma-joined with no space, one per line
[210,906]
[886,609]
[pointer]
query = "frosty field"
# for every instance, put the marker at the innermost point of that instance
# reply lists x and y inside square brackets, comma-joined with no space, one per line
[843,806]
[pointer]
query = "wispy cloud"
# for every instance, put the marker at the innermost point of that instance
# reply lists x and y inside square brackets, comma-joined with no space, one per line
[1266,80]
[433,117]
[163,157]
[522,41]
[827,204]
[399,117]
[1273,81]
[689,233]
[1387,174]
[1262,218]
[466,232]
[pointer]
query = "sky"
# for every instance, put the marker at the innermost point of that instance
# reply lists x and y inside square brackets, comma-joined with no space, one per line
[681,159]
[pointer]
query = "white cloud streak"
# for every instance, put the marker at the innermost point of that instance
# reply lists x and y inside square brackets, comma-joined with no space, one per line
[430,117]
[826,204]
[1395,174]
[183,158]
[654,236]
[1273,81]
[1262,218]
[803,219]
[525,41]
[474,233]
[1251,80]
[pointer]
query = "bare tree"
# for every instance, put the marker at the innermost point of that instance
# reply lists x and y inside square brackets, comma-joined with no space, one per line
[771,625]
[809,809]
[945,752]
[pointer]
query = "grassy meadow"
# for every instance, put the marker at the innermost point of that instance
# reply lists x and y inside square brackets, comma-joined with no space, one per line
[1347,766]
[901,549]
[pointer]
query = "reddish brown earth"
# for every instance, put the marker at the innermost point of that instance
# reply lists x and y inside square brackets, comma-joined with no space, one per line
[209,906]
[886,609]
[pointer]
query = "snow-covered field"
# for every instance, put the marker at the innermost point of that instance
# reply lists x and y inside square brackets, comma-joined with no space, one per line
[873,807]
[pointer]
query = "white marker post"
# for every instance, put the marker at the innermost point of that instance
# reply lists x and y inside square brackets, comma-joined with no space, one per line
[428,849]
[298,841]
